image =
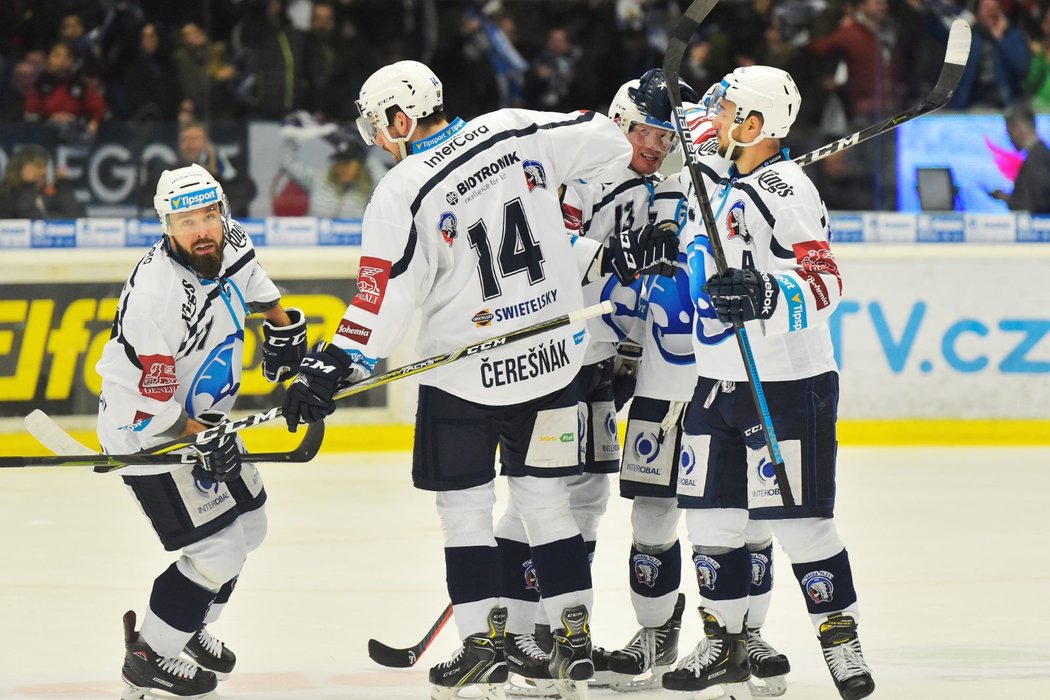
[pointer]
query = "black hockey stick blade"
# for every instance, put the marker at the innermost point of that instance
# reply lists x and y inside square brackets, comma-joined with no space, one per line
[954,63]
[404,658]
[376,380]
[103,463]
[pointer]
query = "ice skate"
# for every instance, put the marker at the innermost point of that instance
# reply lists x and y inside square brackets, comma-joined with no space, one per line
[479,665]
[842,653]
[528,656]
[211,653]
[768,667]
[602,675]
[651,653]
[150,675]
[719,663]
[570,664]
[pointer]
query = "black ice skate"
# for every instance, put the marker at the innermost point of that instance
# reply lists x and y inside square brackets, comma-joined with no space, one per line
[652,651]
[720,659]
[150,675]
[841,646]
[602,675]
[768,666]
[570,661]
[211,653]
[479,664]
[528,656]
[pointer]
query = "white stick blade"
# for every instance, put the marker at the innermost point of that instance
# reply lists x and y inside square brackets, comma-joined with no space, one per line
[958,43]
[48,433]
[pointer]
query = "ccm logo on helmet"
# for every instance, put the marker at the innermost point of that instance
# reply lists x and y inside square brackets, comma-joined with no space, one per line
[194,199]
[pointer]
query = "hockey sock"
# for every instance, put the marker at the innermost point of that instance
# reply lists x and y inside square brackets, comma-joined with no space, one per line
[725,580]
[827,584]
[564,574]
[177,607]
[473,586]
[520,591]
[655,576]
[761,583]
[221,598]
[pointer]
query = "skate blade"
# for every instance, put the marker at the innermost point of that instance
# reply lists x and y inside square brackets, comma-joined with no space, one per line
[474,691]
[523,687]
[623,683]
[132,692]
[572,690]
[600,679]
[772,687]
[728,691]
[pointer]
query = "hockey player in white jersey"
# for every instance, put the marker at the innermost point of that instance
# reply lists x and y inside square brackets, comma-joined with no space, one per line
[783,283]
[665,376]
[173,367]
[467,227]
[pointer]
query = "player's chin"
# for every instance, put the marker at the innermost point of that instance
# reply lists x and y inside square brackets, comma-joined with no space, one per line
[647,166]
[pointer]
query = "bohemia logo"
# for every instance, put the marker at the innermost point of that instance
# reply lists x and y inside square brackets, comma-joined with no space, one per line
[371,284]
[815,258]
[158,377]
[354,331]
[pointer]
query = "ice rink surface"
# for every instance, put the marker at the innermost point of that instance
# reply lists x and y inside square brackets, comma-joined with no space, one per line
[948,547]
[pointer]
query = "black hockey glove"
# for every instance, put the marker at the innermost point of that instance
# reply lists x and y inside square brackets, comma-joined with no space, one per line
[652,250]
[651,94]
[219,459]
[283,347]
[625,371]
[743,295]
[310,397]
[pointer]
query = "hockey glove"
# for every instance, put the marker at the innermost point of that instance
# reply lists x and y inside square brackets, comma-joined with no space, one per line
[652,250]
[651,94]
[219,459]
[743,295]
[625,371]
[310,397]
[283,347]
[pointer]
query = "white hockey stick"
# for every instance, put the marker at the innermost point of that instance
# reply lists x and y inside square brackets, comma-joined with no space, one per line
[103,463]
[49,434]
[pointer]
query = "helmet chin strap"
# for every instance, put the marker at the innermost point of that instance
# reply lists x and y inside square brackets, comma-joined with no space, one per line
[402,141]
[733,143]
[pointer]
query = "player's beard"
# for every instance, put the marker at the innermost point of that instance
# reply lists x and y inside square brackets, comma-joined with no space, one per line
[207,265]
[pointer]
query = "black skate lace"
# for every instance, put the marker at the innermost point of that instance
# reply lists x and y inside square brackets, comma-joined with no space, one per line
[526,643]
[210,643]
[706,652]
[177,667]
[846,660]
[758,648]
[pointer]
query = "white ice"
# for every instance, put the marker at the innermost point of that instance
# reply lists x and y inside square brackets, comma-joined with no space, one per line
[949,548]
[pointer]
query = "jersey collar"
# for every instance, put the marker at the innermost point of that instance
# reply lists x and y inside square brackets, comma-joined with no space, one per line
[440,137]
[734,174]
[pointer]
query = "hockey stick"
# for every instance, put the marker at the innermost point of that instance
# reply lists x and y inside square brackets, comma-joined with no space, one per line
[954,62]
[403,658]
[74,454]
[372,382]
[676,46]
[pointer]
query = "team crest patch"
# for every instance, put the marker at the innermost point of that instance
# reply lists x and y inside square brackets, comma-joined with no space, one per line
[646,569]
[759,567]
[483,318]
[532,581]
[818,586]
[706,571]
[535,175]
[735,223]
[447,225]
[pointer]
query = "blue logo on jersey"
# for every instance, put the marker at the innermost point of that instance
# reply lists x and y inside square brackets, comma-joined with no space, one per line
[687,461]
[766,471]
[796,304]
[625,300]
[672,312]
[647,447]
[709,330]
[217,376]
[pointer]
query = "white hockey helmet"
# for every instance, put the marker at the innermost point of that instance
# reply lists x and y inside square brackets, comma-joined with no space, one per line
[626,112]
[763,89]
[186,189]
[410,85]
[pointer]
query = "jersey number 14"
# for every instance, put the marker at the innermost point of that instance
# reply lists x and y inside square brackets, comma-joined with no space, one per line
[518,250]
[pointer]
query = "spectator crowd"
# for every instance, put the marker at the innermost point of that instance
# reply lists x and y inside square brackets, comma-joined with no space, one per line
[76,65]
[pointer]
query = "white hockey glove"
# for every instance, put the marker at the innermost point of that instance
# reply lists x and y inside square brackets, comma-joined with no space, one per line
[283,347]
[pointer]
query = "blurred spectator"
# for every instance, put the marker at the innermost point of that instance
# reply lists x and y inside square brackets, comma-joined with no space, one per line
[65,99]
[23,78]
[26,194]
[998,63]
[1032,187]
[146,88]
[552,72]
[865,41]
[274,52]
[195,146]
[206,76]
[1037,83]
[341,190]
[336,64]
[488,36]
[846,184]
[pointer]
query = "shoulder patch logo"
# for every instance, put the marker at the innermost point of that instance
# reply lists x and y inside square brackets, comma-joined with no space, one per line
[735,223]
[447,226]
[158,380]
[372,278]
[535,175]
